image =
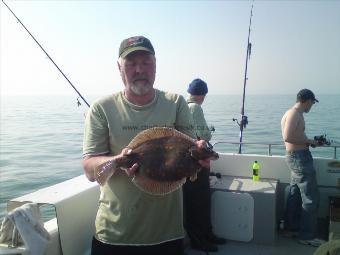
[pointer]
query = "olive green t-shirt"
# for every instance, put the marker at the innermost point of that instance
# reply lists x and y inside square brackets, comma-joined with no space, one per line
[201,128]
[127,215]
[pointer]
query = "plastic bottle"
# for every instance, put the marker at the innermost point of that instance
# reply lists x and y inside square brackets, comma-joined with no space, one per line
[256,171]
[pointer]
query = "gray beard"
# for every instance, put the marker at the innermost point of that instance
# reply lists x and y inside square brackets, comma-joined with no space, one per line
[140,90]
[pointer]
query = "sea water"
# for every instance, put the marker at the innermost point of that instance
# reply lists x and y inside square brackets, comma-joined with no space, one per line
[41,137]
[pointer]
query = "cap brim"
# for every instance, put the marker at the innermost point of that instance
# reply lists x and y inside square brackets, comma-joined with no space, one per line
[133,49]
[316,100]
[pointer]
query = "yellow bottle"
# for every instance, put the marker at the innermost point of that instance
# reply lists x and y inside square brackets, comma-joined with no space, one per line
[256,171]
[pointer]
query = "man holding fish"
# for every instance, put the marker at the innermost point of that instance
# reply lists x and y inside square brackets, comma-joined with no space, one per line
[129,220]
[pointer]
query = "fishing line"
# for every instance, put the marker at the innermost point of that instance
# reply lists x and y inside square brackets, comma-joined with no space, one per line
[78,102]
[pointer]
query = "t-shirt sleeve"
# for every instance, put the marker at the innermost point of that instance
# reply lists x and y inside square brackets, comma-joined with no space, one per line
[184,121]
[200,124]
[96,133]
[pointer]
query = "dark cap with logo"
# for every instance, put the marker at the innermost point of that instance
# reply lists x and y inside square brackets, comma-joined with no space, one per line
[198,88]
[304,95]
[135,43]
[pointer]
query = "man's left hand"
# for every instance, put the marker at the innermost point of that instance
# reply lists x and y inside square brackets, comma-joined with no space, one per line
[206,162]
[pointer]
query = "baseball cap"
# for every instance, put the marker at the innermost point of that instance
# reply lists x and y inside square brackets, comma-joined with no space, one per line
[135,43]
[198,88]
[306,94]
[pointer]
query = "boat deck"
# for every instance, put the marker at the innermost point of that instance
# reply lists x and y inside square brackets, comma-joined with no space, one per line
[283,246]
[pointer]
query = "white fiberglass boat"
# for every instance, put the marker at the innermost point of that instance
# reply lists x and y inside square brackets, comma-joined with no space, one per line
[245,212]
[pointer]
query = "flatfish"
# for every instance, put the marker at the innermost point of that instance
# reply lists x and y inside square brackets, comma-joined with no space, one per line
[166,158]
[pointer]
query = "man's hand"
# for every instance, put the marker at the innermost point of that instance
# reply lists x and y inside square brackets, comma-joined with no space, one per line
[129,171]
[315,143]
[104,171]
[206,162]
[322,140]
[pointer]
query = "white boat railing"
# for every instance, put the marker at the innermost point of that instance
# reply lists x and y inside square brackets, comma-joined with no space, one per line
[270,145]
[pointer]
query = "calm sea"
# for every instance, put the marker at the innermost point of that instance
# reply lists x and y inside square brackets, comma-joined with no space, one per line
[41,137]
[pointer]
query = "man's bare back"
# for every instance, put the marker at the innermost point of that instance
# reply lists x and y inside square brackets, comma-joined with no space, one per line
[293,130]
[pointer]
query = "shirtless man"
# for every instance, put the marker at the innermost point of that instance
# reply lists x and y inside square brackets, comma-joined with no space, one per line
[303,197]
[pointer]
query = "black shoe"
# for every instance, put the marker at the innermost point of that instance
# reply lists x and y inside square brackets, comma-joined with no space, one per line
[204,245]
[212,238]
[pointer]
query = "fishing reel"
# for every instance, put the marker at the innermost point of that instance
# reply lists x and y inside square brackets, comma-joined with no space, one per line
[321,140]
[243,123]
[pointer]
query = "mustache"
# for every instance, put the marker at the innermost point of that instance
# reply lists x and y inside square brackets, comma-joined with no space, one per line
[141,77]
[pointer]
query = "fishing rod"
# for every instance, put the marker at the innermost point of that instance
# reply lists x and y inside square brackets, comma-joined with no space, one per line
[244,119]
[78,103]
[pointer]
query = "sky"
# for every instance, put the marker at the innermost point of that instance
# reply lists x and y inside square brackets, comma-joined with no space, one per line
[295,45]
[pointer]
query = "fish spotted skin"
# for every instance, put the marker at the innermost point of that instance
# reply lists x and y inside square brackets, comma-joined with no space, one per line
[170,156]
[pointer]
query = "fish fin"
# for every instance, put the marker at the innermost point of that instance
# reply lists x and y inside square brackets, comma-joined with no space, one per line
[155,133]
[104,171]
[154,187]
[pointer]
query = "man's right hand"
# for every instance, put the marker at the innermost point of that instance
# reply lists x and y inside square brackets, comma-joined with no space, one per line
[131,170]
[315,143]
[92,166]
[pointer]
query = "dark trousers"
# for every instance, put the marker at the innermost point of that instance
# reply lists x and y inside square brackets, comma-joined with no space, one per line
[197,207]
[168,248]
